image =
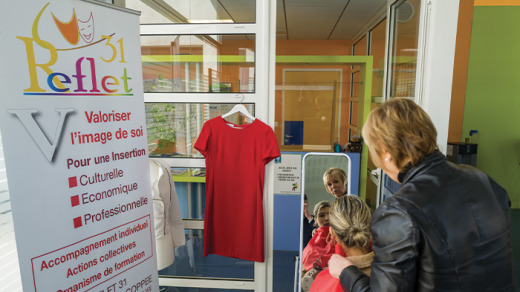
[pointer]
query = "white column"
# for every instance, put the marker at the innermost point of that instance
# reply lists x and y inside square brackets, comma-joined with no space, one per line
[436,54]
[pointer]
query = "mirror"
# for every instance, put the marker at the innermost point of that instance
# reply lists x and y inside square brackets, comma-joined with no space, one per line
[315,164]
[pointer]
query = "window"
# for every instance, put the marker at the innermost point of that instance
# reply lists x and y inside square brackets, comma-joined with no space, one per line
[360,48]
[377,50]
[173,128]
[198,63]
[308,102]
[403,60]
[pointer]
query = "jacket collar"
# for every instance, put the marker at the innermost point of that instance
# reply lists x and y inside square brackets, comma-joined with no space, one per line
[428,162]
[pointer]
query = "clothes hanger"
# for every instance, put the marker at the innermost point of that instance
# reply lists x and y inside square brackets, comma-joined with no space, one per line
[239,108]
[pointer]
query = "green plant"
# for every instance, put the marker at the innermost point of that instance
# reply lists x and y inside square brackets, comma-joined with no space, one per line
[161,127]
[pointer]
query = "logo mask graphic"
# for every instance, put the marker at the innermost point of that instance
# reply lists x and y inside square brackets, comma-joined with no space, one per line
[86,29]
[69,30]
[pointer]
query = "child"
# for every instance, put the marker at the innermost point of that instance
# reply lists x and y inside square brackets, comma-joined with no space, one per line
[320,248]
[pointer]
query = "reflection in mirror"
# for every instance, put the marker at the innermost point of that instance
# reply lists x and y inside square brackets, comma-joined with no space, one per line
[320,185]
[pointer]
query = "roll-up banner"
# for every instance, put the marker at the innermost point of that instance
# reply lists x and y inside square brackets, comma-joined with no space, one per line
[74,138]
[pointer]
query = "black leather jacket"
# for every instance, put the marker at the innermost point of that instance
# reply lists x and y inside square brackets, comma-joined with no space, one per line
[448,228]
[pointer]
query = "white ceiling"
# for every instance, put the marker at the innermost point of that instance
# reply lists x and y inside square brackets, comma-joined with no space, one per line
[295,19]
[324,19]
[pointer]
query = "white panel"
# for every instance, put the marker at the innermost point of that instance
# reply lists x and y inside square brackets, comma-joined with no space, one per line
[201,97]
[185,162]
[436,53]
[194,28]
[193,224]
[205,283]
[269,176]
[261,270]
[10,279]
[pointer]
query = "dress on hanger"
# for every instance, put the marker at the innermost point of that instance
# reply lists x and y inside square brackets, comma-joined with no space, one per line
[236,156]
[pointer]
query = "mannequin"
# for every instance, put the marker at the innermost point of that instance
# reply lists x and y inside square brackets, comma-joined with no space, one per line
[169,229]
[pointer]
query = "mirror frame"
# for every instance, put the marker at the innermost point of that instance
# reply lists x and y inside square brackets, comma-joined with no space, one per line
[298,279]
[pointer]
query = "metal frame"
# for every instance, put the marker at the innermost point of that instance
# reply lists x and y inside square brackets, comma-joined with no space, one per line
[298,268]
[262,63]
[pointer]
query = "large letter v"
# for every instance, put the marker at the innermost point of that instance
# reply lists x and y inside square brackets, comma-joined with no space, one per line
[26,116]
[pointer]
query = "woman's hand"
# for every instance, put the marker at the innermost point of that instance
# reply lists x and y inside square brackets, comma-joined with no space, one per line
[336,264]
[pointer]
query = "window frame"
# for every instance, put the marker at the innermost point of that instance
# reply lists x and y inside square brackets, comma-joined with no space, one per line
[261,98]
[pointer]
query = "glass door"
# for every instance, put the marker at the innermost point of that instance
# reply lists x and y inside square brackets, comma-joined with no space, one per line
[403,47]
[200,58]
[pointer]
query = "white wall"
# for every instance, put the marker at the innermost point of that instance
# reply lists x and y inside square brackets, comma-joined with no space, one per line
[436,53]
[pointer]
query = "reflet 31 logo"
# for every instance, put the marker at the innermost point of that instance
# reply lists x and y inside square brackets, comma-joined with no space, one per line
[79,76]
[69,58]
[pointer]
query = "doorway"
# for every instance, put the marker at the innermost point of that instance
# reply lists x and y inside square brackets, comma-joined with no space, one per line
[311,108]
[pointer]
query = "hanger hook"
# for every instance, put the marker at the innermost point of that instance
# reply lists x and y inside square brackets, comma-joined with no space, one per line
[240,95]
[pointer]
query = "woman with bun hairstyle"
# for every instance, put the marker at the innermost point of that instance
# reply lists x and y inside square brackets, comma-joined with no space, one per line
[349,219]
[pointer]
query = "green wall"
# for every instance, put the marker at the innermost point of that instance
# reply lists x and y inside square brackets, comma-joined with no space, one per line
[492,103]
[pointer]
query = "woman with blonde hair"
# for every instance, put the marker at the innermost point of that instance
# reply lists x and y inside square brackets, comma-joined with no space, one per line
[335,181]
[350,227]
[447,228]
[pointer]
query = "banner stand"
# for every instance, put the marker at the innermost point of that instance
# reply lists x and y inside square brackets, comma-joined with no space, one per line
[74,137]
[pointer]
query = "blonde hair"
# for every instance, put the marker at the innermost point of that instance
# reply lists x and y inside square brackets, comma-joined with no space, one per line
[403,129]
[334,173]
[350,219]
[320,205]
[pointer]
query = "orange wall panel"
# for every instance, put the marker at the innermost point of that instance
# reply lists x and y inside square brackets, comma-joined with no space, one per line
[497,2]
[460,71]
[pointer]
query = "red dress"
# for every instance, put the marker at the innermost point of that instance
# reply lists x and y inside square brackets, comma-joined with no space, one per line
[235,168]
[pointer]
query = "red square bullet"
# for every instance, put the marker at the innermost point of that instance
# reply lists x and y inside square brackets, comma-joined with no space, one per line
[77,222]
[74,200]
[73,182]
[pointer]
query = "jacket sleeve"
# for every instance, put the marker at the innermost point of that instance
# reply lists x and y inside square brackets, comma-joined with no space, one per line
[352,278]
[395,244]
